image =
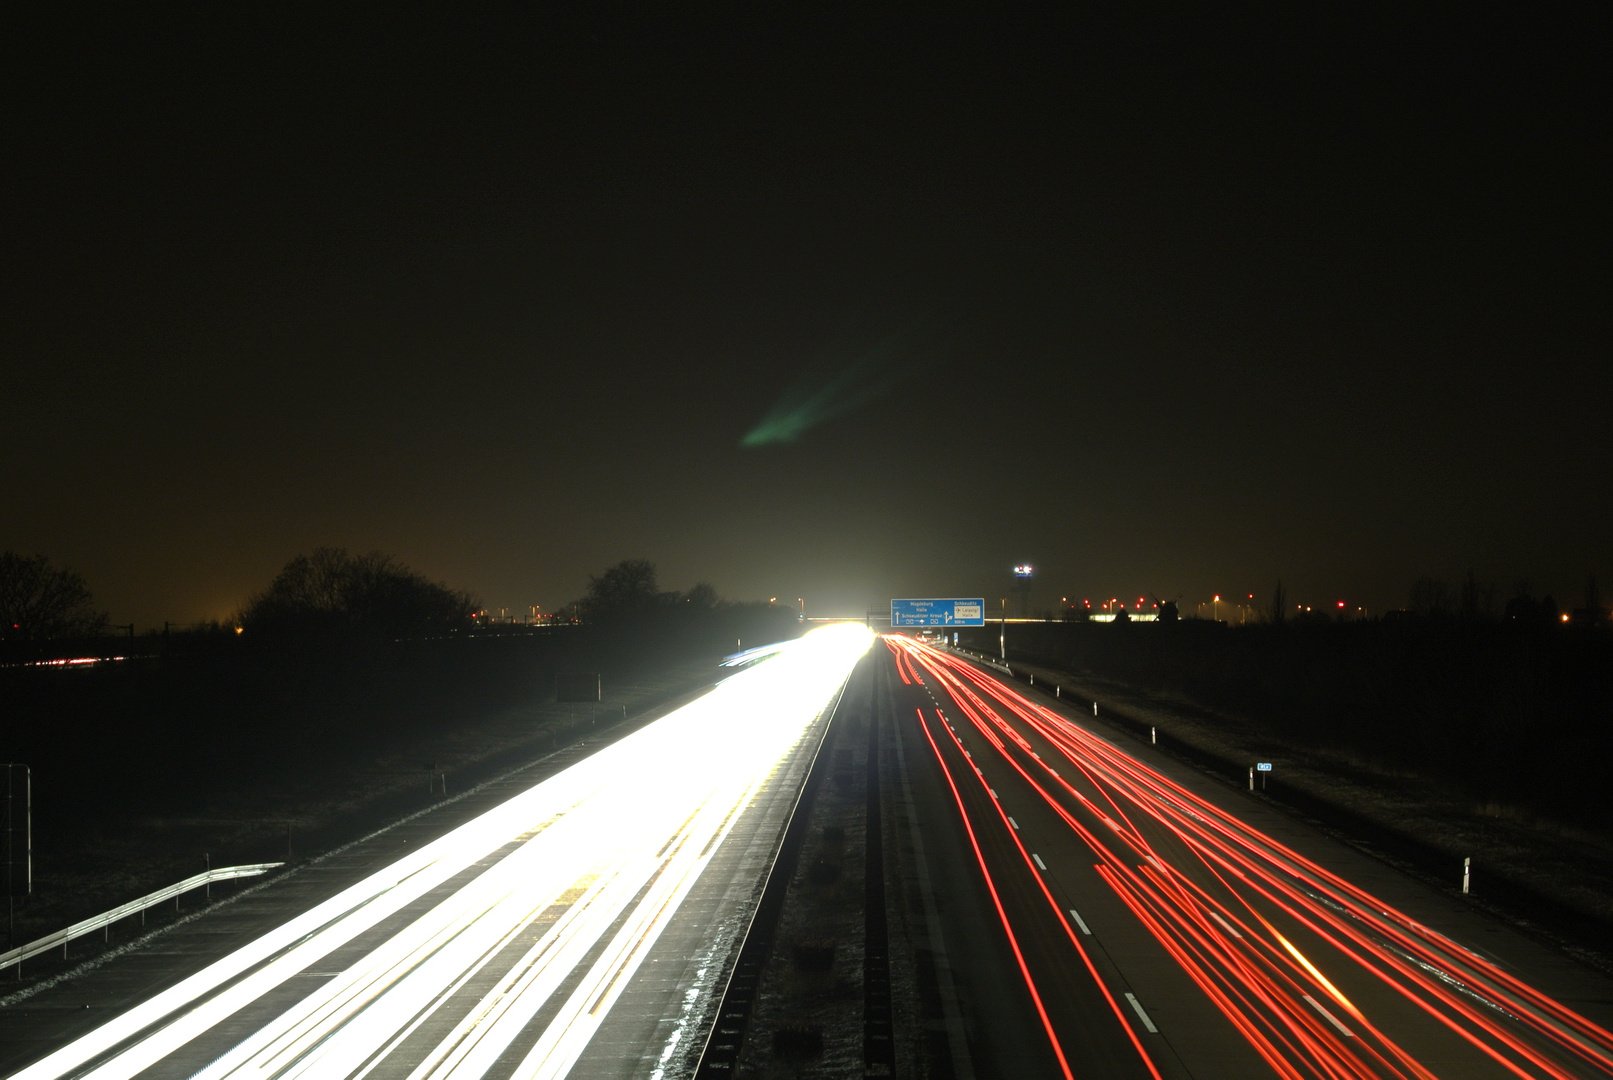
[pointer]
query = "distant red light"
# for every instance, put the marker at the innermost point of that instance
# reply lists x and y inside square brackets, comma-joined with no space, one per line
[1341,603]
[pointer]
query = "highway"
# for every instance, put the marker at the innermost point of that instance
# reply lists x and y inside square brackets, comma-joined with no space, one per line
[1154,933]
[528,942]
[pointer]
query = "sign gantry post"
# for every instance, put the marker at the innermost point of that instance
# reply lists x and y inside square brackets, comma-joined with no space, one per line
[16,840]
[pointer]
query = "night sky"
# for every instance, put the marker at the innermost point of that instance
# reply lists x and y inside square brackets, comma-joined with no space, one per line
[839,309]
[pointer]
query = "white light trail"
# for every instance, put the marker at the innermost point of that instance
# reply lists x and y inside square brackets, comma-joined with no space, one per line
[616,840]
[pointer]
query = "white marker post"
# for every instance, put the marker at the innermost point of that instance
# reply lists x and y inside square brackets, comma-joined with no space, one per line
[1251,778]
[1467,870]
[1153,735]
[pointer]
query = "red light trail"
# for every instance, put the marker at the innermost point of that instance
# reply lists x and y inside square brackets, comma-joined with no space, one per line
[1249,920]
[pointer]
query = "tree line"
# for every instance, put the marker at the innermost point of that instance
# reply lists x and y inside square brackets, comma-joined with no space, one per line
[333,591]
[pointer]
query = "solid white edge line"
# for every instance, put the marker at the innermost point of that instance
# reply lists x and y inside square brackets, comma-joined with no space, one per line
[1317,1005]
[1082,923]
[1042,865]
[1143,1016]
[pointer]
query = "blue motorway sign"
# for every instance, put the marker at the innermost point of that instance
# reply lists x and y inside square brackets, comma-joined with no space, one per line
[938,612]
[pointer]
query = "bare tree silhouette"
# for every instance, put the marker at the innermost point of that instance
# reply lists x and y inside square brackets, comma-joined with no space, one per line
[1429,596]
[625,589]
[39,601]
[330,589]
[1478,598]
[1278,612]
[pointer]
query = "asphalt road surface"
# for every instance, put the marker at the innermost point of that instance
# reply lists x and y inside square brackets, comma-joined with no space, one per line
[1159,925]
[578,928]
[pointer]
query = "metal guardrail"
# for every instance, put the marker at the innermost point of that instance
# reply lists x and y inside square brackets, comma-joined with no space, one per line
[133,907]
[981,658]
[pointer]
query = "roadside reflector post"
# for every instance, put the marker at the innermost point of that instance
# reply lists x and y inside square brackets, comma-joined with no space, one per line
[1153,735]
[1467,871]
[1251,778]
[1033,678]
[1094,708]
[1058,691]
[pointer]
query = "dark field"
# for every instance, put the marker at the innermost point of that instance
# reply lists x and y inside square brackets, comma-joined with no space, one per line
[1423,742]
[235,751]
[1514,715]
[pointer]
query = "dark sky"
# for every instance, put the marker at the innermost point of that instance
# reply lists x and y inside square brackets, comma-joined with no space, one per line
[1166,305]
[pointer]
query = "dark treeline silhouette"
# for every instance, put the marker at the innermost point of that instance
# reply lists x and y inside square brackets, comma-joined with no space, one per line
[322,677]
[331,591]
[1514,708]
[41,602]
[625,608]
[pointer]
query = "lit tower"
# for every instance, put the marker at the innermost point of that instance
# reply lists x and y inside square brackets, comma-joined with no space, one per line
[1023,573]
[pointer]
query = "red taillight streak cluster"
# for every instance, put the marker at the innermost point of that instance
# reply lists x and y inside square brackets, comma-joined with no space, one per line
[1174,909]
[1013,940]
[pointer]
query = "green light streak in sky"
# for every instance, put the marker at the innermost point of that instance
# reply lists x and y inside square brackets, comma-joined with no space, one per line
[813,400]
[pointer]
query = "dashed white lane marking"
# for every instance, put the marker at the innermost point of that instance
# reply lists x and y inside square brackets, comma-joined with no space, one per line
[1143,1016]
[1317,1005]
[1012,822]
[1228,927]
[1082,923]
[993,792]
[1040,865]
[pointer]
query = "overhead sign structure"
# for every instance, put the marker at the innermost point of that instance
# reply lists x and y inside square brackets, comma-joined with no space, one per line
[954,612]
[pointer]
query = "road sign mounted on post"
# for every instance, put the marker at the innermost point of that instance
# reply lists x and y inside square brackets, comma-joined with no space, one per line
[16,830]
[951,612]
[576,686]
